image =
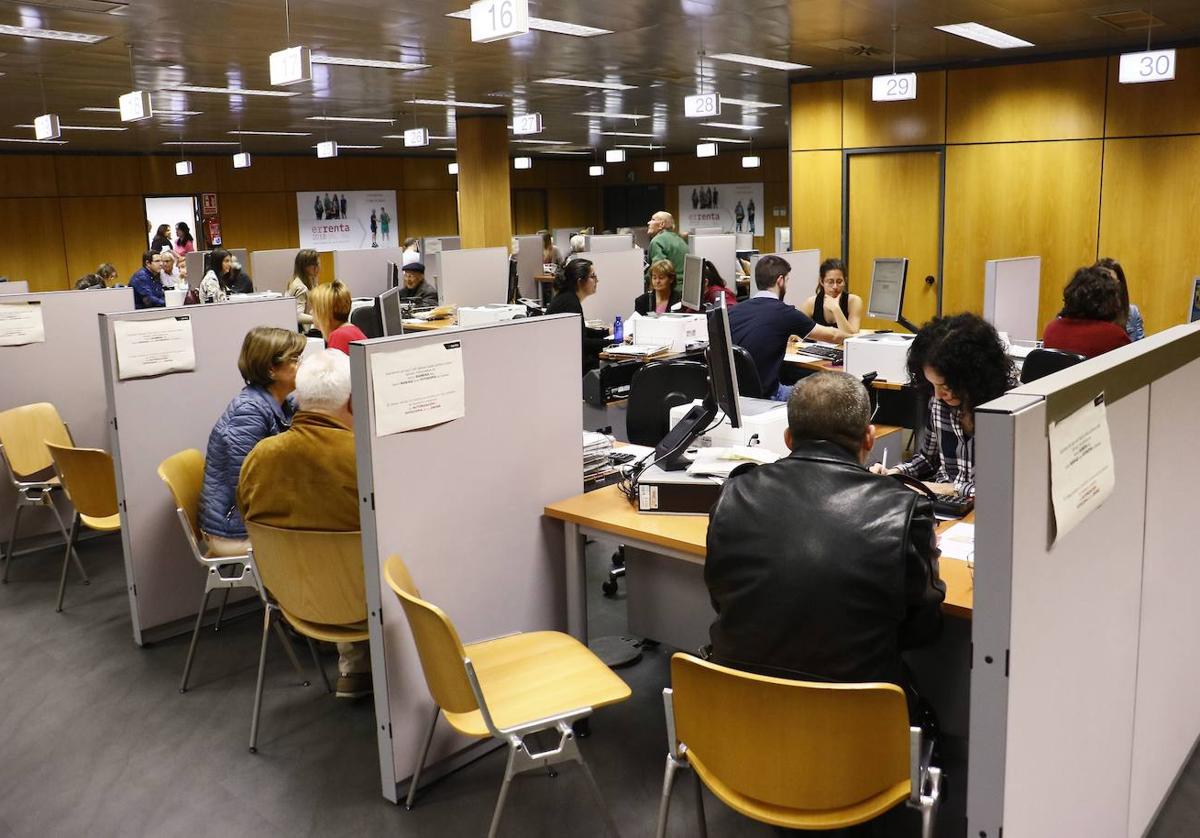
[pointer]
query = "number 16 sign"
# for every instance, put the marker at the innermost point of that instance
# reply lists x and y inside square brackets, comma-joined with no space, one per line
[494,20]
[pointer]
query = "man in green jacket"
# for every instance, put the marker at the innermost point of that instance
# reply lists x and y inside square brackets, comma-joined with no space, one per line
[665,243]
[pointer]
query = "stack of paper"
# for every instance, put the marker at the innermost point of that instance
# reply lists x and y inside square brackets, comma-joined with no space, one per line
[719,462]
[958,542]
[596,448]
[639,351]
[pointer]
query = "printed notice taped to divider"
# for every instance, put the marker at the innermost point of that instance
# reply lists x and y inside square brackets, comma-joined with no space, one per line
[21,324]
[418,388]
[1081,465]
[154,347]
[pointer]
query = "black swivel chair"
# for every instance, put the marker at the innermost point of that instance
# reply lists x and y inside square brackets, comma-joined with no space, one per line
[1042,362]
[747,375]
[367,318]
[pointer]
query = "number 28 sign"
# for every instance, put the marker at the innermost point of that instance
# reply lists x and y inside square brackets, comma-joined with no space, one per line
[494,20]
[702,105]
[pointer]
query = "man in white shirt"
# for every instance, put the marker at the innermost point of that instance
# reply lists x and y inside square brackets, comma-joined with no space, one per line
[170,269]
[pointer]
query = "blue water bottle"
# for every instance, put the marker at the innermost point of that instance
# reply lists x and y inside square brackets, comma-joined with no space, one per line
[618,330]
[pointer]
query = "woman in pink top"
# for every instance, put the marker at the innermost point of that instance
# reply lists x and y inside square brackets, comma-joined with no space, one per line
[184,243]
[330,306]
[661,295]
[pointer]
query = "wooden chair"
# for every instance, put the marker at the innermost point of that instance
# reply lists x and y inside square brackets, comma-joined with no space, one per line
[90,483]
[508,688]
[795,754]
[23,434]
[184,475]
[315,580]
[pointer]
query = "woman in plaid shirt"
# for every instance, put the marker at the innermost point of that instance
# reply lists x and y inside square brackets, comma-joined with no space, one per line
[960,363]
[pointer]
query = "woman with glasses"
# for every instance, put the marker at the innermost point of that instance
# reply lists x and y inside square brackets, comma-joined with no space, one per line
[833,305]
[576,283]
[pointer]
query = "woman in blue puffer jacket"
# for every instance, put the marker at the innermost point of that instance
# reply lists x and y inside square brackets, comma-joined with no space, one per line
[263,408]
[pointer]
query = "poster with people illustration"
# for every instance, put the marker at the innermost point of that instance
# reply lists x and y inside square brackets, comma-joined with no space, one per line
[734,207]
[331,220]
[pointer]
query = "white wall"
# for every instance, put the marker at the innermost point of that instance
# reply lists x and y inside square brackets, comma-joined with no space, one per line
[171,210]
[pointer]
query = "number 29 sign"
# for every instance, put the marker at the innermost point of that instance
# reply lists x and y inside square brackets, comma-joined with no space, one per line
[495,20]
[895,88]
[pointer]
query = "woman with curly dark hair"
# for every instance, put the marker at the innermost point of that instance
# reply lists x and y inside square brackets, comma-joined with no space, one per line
[959,362]
[1089,323]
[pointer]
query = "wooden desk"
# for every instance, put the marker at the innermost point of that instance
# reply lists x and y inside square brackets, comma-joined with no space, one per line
[811,362]
[606,512]
[429,325]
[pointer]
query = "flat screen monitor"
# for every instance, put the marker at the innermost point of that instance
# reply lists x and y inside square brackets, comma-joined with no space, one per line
[390,312]
[693,284]
[387,274]
[395,283]
[1195,301]
[887,289]
[722,373]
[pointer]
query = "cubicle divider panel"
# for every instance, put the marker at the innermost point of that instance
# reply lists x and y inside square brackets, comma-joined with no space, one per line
[621,280]
[610,243]
[365,272]
[152,418]
[1011,291]
[474,277]
[195,263]
[14,286]
[65,370]
[805,275]
[461,502]
[562,239]
[720,250]
[272,270]
[529,265]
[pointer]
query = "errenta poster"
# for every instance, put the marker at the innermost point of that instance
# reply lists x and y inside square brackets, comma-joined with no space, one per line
[734,207]
[331,220]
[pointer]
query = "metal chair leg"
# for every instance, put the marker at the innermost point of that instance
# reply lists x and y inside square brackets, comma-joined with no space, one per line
[268,616]
[12,538]
[187,665]
[62,582]
[73,552]
[416,777]
[591,780]
[312,648]
[221,610]
[291,653]
[508,775]
[664,805]
[701,824]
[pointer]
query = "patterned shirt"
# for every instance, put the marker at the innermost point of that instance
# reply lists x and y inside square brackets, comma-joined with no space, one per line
[948,453]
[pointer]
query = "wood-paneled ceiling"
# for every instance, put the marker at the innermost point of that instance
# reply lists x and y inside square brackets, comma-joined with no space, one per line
[654,46]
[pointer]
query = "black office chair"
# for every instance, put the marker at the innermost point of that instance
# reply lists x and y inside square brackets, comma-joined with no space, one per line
[1042,362]
[367,318]
[655,389]
[747,375]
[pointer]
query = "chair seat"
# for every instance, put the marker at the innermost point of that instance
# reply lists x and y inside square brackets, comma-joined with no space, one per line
[790,818]
[330,634]
[531,676]
[109,523]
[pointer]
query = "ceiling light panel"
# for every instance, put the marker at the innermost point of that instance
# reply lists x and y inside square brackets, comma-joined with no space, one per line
[624,134]
[27,140]
[723,140]
[755,61]
[731,125]
[598,85]
[368,62]
[343,146]
[984,35]
[229,91]
[182,143]
[51,34]
[542,142]
[80,127]
[270,133]
[605,115]
[372,119]
[157,111]
[559,27]
[747,103]
[453,103]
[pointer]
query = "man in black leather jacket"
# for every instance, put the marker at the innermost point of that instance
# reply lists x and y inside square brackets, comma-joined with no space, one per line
[818,569]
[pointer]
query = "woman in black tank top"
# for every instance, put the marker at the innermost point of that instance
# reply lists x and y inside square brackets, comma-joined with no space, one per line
[834,284]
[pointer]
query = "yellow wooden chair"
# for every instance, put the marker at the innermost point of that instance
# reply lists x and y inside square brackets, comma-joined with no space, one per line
[795,754]
[184,475]
[315,580]
[90,483]
[24,431]
[508,688]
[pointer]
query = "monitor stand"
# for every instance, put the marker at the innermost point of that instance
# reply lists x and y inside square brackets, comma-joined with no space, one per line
[670,453]
[908,324]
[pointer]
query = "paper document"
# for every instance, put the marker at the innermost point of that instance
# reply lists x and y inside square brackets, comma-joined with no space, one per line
[21,323]
[719,462]
[154,347]
[958,542]
[1081,465]
[418,388]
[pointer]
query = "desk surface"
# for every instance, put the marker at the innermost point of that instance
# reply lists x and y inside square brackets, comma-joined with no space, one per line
[608,511]
[811,362]
[428,325]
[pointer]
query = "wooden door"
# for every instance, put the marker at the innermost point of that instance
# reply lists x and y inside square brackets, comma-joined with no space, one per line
[895,210]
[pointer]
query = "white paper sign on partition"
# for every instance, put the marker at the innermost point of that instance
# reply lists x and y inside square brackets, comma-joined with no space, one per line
[418,387]
[21,324]
[154,347]
[347,220]
[1081,465]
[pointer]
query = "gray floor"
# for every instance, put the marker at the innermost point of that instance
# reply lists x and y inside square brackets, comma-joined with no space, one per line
[95,738]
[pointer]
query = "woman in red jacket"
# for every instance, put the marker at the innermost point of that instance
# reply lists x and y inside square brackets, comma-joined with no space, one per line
[1087,324]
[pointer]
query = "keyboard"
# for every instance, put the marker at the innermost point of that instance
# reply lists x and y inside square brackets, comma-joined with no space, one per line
[829,353]
[953,506]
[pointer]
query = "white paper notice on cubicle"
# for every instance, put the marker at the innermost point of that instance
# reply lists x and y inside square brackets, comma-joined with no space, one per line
[154,347]
[1081,465]
[418,388]
[21,324]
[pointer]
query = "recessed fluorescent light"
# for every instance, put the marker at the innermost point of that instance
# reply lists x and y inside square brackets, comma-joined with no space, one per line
[662,165]
[401,137]
[368,62]
[522,162]
[51,34]
[751,161]
[706,149]
[603,115]
[157,111]
[614,155]
[557,26]
[349,119]
[269,133]
[80,127]
[634,145]
[722,140]
[27,140]
[731,125]
[624,134]
[746,103]
[542,142]
[198,142]
[984,35]
[599,85]
[343,145]
[595,171]
[754,60]
[453,103]
[567,153]
[229,91]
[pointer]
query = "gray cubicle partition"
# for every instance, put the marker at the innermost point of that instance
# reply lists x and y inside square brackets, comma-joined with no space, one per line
[149,420]
[272,270]
[431,255]
[474,277]
[462,503]
[14,286]
[66,370]
[1085,692]
[620,280]
[365,272]
[529,265]
[720,250]
[806,272]
[195,264]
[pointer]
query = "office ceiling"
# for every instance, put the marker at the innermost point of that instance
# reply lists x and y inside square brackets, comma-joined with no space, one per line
[654,46]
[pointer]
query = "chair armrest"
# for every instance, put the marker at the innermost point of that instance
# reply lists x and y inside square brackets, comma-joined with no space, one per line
[669,708]
[925,779]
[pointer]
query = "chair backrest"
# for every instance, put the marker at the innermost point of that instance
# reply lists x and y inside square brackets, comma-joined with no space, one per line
[184,475]
[438,646]
[367,319]
[795,744]
[24,432]
[1040,363]
[88,478]
[655,389]
[314,575]
[749,385]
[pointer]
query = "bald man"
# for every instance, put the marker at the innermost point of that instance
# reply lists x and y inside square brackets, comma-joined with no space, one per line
[665,243]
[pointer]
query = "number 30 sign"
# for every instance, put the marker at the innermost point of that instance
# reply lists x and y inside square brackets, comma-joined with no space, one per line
[1140,67]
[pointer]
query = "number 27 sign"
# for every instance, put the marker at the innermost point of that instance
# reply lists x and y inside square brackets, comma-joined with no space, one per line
[494,20]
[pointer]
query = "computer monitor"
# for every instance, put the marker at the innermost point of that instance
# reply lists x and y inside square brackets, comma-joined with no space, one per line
[388,273]
[1195,301]
[391,313]
[887,291]
[693,283]
[395,276]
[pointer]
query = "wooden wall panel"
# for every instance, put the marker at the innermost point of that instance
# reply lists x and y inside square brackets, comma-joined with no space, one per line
[574,207]
[1148,222]
[428,173]
[816,205]
[123,220]
[816,121]
[310,173]
[1171,107]
[258,220]
[484,194]
[159,178]
[920,121]
[28,176]
[528,211]
[430,212]
[98,175]
[1020,199]
[266,174]
[374,173]
[1057,100]
[31,243]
